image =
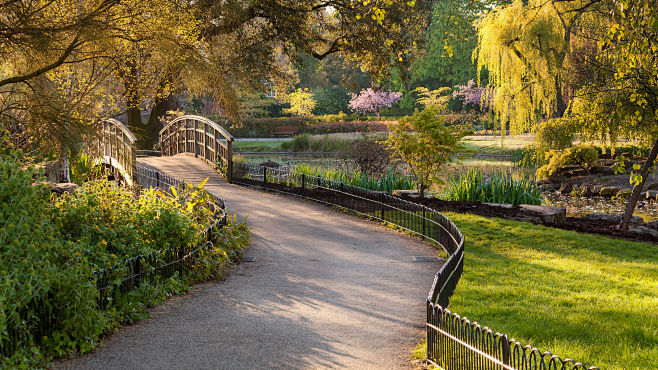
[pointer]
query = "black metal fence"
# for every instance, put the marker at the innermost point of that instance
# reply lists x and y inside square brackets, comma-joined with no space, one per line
[39,320]
[453,342]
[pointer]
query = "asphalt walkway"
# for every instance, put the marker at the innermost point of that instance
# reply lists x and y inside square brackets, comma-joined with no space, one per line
[327,290]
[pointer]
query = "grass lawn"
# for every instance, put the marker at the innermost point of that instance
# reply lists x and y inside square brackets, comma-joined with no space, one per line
[257,146]
[489,144]
[590,298]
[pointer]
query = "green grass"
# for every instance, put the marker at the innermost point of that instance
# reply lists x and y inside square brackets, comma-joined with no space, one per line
[258,146]
[590,298]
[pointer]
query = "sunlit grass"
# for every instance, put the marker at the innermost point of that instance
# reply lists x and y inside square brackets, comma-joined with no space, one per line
[257,146]
[590,298]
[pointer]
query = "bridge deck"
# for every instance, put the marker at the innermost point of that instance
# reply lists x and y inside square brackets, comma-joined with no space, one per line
[327,290]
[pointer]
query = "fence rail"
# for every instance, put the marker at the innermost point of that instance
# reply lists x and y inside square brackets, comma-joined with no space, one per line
[453,342]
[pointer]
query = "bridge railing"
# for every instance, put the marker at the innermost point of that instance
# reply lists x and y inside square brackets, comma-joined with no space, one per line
[116,147]
[453,342]
[199,136]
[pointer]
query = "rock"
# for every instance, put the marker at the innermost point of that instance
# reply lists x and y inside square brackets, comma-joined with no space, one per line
[652,224]
[501,205]
[547,215]
[51,170]
[644,231]
[605,217]
[609,191]
[576,172]
[566,188]
[549,186]
[543,182]
[651,194]
[596,189]
[405,193]
[65,187]
[603,170]
[270,164]
[652,186]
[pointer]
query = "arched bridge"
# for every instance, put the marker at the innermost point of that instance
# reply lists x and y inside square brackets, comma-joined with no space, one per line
[192,135]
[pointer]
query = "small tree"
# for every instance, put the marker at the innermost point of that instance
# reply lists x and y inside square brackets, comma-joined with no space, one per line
[369,100]
[301,103]
[425,143]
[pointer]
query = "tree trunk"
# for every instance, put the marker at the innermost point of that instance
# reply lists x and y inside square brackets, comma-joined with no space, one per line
[152,128]
[637,189]
[421,191]
[64,168]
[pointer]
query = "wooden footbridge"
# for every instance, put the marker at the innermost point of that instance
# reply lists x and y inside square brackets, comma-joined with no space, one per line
[190,135]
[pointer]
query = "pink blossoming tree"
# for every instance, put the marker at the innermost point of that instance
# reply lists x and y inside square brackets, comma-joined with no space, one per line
[369,100]
[472,95]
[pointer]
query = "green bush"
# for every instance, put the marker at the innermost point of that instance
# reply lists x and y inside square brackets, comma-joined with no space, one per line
[50,248]
[583,156]
[556,134]
[41,272]
[84,168]
[471,187]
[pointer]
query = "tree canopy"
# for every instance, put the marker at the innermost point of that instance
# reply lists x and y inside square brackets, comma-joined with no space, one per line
[82,61]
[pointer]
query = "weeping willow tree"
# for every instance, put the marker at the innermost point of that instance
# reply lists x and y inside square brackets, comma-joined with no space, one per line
[588,66]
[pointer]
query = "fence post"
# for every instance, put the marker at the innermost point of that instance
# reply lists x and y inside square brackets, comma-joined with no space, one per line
[504,342]
[423,222]
[303,180]
[264,176]
[381,199]
[229,172]
[157,179]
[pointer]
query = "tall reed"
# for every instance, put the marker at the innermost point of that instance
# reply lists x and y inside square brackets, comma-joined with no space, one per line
[499,188]
[387,182]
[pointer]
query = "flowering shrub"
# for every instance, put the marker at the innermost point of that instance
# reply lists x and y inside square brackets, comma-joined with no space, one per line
[369,100]
[472,96]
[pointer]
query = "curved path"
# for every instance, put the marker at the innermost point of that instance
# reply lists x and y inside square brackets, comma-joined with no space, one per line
[327,290]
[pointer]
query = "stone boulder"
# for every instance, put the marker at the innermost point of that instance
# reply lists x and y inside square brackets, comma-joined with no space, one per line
[547,215]
[405,193]
[644,231]
[602,170]
[609,191]
[270,164]
[566,188]
[652,186]
[65,187]
[651,194]
[605,217]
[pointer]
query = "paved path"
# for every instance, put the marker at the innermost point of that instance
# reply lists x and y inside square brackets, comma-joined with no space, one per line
[328,290]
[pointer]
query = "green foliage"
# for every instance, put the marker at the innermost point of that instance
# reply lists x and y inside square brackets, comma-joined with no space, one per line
[301,103]
[387,182]
[437,99]
[557,134]
[50,247]
[580,155]
[499,188]
[425,144]
[85,168]
[41,272]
